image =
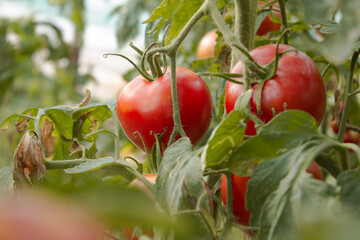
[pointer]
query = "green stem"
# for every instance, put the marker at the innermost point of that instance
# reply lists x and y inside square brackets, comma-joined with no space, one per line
[284,24]
[175,102]
[344,160]
[348,87]
[229,197]
[354,93]
[64,164]
[326,69]
[245,21]
[116,133]
[233,42]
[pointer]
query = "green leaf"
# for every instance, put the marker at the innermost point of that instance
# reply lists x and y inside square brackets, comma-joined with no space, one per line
[5,124]
[91,165]
[176,13]
[179,185]
[280,190]
[89,119]
[62,121]
[6,178]
[103,168]
[285,131]
[350,190]
[340,44]
[228,134]
[260,18]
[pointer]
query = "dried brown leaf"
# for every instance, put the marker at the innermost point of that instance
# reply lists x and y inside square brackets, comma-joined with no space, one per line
[48,141]
[28,163]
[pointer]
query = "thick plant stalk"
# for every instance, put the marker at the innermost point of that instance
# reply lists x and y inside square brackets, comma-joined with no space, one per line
[348,90]
[284,24]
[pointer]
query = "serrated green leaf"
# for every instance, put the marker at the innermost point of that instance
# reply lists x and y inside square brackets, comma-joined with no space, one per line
[280,189]
[63,122]
[102,111]
[102,169]
[179,185]
[338,46]
[176,13]
[285,131]
[91,165]
[6,178]
[228,134]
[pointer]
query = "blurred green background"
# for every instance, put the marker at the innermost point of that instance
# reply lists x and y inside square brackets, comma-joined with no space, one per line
[51,51]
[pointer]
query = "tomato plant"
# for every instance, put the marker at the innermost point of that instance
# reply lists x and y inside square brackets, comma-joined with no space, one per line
[297,84]
[144,108]
[282,102]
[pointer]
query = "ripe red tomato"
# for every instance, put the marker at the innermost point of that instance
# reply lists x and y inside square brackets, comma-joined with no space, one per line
[206,47]
[145,107]
[267,25]
[34,217]
[239,188]
[297,85]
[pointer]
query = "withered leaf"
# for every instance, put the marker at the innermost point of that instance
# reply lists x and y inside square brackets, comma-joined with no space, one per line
[28,163]
[22,125]
[48,141]
[86,99]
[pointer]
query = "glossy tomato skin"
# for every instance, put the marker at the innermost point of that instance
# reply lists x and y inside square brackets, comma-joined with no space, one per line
[145,107]
[297,85]
[267,24]
[206,47]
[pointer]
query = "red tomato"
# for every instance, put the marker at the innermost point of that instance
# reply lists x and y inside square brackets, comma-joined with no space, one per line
[206,47]
[239,188]
[145,107]
[349,136]
[315,170]
[267,25]
[33,217]
[297,85]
